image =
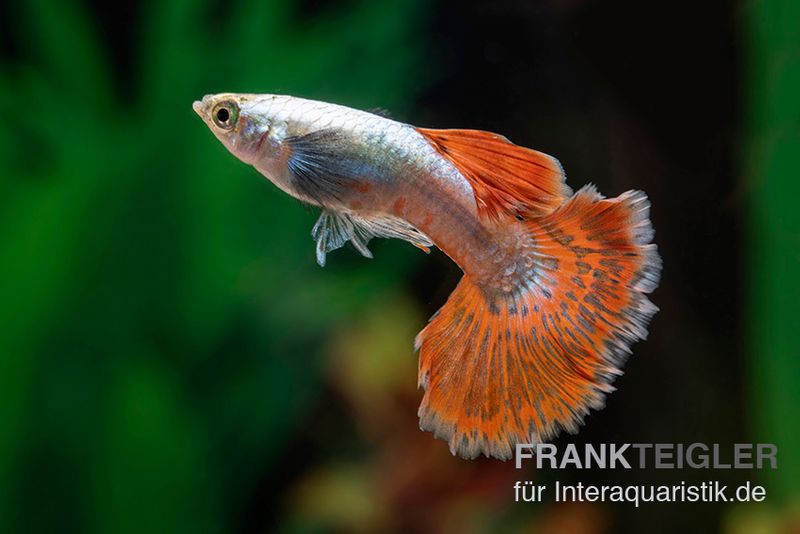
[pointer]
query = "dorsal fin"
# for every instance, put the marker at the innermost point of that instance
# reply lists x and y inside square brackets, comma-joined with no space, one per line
[507,179]
[335,228]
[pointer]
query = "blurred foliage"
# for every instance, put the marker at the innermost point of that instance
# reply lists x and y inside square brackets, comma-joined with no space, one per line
[773,167]
[161,309]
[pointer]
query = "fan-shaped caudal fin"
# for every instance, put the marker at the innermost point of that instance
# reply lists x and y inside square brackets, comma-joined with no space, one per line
[500,370]
[506,178]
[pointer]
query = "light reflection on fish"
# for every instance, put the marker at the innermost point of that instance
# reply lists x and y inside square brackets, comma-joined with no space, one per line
[555,283]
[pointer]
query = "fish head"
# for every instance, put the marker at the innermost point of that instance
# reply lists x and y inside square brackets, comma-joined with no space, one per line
[234,119]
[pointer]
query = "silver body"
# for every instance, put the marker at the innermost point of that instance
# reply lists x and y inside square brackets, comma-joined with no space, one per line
[402,176]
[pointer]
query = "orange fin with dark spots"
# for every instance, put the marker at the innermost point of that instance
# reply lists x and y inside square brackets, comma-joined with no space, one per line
[507,179]
[502,369]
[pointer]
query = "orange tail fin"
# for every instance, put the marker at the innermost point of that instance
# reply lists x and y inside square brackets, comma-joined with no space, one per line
[505,369]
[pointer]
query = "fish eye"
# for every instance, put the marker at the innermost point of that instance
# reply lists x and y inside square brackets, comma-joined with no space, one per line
[225,114]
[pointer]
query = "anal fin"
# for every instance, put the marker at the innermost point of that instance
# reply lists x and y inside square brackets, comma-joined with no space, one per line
[335,228]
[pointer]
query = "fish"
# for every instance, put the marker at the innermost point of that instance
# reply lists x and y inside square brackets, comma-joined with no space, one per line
[555,283]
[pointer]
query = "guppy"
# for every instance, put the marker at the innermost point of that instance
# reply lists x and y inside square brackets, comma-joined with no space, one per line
[555,284]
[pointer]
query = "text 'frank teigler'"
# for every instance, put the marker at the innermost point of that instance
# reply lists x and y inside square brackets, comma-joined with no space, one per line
[648,455]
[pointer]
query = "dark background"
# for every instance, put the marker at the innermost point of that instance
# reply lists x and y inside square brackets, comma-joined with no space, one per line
[172,359]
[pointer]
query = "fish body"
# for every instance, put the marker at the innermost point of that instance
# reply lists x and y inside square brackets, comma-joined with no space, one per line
[555,284]
[355,163]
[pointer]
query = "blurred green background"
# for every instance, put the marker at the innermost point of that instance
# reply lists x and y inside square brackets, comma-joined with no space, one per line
[173,360]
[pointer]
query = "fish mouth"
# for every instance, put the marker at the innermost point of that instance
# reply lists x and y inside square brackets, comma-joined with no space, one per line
[197,106]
